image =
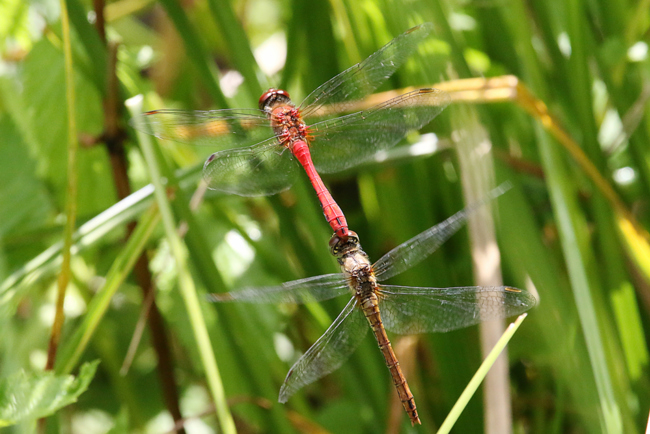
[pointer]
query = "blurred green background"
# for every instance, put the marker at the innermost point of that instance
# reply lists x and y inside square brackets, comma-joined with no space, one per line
[579,363]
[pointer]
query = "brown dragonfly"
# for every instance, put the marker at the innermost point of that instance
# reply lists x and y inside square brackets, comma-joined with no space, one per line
[399,309]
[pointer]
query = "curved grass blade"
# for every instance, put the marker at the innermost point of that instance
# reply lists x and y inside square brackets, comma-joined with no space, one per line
[186,284]
[476,380]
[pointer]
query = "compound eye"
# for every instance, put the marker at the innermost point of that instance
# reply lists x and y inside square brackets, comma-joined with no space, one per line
[265,98]
[334,243]
[272,95]
[353,237]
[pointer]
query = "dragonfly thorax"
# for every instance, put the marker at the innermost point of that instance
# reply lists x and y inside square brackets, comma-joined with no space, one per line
[356,265]
[362,281]
[287,125]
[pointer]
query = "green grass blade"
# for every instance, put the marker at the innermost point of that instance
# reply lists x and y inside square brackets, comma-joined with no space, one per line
[572,232]
[118,273]
[93,45]
[480,374]
[71,191]
[238,46]
[88,234]
[196,51]
[186,284]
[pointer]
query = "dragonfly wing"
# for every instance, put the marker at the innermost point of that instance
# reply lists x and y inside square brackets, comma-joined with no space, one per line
[329,352]
[259,170]
[363,78]
[220,129]
[298,291]
[415,250]
[408,310]
[350,140]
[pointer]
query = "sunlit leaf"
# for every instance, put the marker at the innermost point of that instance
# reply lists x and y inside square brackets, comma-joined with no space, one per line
[25,396]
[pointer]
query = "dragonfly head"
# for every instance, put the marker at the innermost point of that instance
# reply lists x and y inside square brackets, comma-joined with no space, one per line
[273,97]
[341,246]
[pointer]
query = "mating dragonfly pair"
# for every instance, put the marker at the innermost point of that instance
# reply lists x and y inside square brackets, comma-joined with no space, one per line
[279,131]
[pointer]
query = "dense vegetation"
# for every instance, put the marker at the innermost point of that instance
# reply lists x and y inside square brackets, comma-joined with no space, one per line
[570,130]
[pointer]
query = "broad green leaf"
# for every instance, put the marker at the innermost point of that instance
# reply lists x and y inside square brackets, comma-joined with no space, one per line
[18,183]
[26,396]
[44,94]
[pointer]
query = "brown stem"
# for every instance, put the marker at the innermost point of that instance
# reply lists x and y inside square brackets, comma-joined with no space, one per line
[98,6]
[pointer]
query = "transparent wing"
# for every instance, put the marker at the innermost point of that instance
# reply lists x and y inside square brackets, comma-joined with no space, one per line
[221,129]
[259,170]
[408,310]
[349,140]
[363,78]
[415,250]
[298,291]
[329,352]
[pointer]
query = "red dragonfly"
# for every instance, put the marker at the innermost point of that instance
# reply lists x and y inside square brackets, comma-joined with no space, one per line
[255,162]
[400,309]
